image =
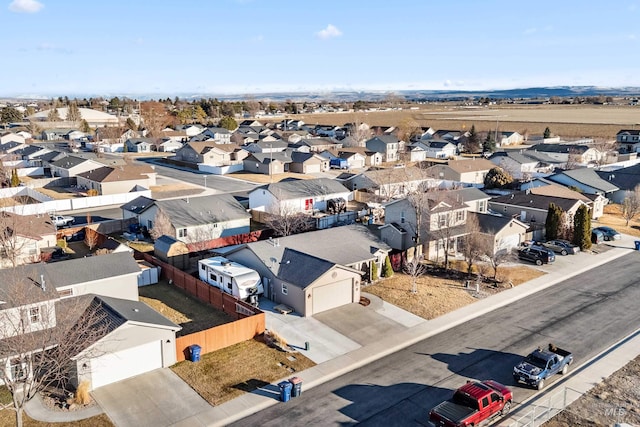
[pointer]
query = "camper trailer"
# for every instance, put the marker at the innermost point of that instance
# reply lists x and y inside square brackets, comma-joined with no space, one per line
[232,278]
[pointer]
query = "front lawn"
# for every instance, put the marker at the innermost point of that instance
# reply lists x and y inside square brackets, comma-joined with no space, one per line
[227,373]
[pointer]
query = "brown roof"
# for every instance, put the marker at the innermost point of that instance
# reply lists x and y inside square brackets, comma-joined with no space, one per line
[559,191]
[174,133]
[29,226]
[118,173]
[202,147]
[471,165]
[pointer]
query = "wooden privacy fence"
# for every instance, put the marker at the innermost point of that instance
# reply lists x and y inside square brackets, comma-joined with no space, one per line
[250,321]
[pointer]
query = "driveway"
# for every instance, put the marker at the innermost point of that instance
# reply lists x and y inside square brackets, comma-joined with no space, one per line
[157,398]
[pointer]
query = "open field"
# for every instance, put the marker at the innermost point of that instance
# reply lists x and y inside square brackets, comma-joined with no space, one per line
[566,121]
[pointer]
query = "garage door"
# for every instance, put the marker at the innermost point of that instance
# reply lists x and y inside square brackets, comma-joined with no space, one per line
[312,168]
[509,242]
[332,295]
[112,367]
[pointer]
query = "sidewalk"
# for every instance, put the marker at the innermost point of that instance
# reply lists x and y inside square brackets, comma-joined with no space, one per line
[260,399]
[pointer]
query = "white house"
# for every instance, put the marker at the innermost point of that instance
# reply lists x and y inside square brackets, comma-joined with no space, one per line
[306,195]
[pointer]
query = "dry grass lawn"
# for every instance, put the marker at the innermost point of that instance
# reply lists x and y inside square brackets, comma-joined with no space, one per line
[182,309]
[174,190]
[58,193]
[613,218]
[228,373]
[437,296]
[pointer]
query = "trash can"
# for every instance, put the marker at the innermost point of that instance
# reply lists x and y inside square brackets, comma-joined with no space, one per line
[194,352]
[637,242]
[296,384]
[285,391]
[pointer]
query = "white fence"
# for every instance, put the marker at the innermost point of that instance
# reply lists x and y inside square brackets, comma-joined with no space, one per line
[542,410]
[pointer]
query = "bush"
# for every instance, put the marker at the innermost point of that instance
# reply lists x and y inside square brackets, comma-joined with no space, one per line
[374,271]
[387,270]
[82,394]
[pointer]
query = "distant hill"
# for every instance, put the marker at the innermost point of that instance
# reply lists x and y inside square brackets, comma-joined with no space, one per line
[350,96]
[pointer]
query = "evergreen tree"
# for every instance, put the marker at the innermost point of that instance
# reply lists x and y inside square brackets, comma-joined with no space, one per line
[10,115]
[84,126]
[73,113]
[553,222]
[547,133]
[131,124]
[374,271]
[387,270]
[472,143]
[53,115]
[228,123]
[488,145]
[15,180]
[582,228]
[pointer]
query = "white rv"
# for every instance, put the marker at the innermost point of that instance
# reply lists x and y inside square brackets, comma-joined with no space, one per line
[231,277]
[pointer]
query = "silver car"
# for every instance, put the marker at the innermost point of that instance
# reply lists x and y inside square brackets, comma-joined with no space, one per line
[562,247]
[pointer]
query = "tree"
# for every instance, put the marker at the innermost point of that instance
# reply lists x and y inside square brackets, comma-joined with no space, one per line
[73,113]
[497,178]
[387,270]
[489,145]
[414,269]
[228,123]
[155,117]
[631,204]
[497,257]
[374,271]
[582,228]
[10,115]
[553,222]
[91,238]
[161,226]
[40,337]
[287,220]
[15,179]
[472,141]
[53,115]
[84,126]
[130,124]
[472,242]
[12,244]
[547,133]
[408,129]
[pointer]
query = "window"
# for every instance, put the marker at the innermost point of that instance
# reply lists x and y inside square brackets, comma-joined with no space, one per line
[65,293]
[17,369]
[443,220]
[202,267]
[150,224]
[459,216]
[495,397]
[402,217]
[213,277]
[285,289]
[482,206]
[182,232]
[34,314]
[485,402]
[308,204]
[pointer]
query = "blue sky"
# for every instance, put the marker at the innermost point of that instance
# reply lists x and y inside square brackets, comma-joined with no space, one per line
[66,47]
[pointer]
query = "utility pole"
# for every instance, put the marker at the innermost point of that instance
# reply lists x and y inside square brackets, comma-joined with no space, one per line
[270,162]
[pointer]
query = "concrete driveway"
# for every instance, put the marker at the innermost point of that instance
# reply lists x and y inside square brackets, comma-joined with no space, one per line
[157,398]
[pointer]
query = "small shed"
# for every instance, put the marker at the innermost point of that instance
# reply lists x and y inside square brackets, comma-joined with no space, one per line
[172,251]
[149,273]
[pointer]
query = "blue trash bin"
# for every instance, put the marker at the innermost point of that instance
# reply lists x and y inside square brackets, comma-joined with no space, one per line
[285,391]
[194,352]
[637,242]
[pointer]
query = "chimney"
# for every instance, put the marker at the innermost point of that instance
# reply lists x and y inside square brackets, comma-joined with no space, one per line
[42,284]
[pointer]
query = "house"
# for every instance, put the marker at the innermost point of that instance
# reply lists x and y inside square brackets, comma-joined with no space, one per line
[167,145]
[437,149]
[628,137]
[385,184]
[109,180]
[308,163]
[23,238]
[568,153]
[266,146]
[470,171]
[502,233]
[519,165]
[314,255]
[10,146]
[436,219]
[94,118]
[371,158]
[55,134]
[306,195]
[11,136]
[354,159]
[194,219]
[319,144]
[208,153]
[175,135]
[449,135]
[139,145]
[267,163]
[475,199]
[415,152]
[72,166]
[532,209]
[139,340]
[625,179]
[509,138]
[135,207]
[388,145]
[217,134]
[191,130]
[587,180]
[596,202]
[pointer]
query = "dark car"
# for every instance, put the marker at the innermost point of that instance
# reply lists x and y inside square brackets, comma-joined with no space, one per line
[609,233]
[537,255]
[78,236]
[54,254]
[562,247]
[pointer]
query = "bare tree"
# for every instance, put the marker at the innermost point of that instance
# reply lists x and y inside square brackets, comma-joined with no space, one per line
[155,117]
[472,242]
[496,255]
[40,334]
[91,238]
[13,238]
[414,269]
[162,226]
[631,204]
[288,222]
[574,159]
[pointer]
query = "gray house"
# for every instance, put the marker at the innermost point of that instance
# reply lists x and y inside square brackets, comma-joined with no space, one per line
[587,180]
[388,145]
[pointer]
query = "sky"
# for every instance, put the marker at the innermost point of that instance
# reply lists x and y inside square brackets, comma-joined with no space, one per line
[74,47]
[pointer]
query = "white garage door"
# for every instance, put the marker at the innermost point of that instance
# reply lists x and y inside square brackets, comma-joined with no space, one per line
[112,367]
[313,169]
[332,295]
[508,242]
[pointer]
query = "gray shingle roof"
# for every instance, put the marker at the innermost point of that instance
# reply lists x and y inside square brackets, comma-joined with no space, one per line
[302,269]
[515,156]
[138,205]
[559,148]
[535,201]
[491,224]
[588,177]
[305,188]
[137,311]
[624,178]
[81,270]
[202,210]
[69,162]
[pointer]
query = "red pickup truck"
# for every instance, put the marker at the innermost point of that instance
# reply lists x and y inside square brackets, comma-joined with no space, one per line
[472,404]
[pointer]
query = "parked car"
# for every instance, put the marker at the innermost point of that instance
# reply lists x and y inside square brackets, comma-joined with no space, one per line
[537,255]
[597,236]
[609,233]
[541,364]
[562,247]
[62,221]
[473,404]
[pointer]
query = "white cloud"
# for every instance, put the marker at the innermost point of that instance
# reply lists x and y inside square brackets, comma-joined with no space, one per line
[25,6]
[329,32]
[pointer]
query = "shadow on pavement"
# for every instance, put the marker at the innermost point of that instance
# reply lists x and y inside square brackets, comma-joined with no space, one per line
[481,364]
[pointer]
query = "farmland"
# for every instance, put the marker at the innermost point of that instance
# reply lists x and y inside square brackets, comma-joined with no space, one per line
[566,121]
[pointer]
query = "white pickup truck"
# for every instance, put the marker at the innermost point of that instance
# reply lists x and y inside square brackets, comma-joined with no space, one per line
[62,221]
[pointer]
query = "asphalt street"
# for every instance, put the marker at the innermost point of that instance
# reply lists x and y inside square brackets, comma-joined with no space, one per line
[585,314]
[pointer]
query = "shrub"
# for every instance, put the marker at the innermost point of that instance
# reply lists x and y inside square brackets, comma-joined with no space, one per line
[92,192]
[82,394]
[374,271]
[387,270]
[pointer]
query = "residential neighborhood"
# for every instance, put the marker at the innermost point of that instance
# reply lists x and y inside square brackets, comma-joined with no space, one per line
[106,229]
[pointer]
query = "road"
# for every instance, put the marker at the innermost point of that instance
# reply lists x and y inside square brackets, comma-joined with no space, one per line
[585,314]
[220,183]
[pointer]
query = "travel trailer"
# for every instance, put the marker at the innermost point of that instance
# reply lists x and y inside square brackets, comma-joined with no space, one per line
[232,278]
